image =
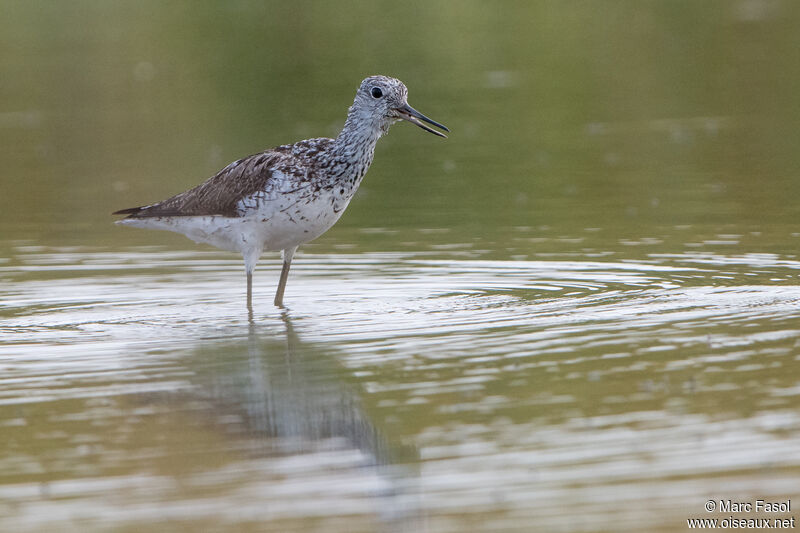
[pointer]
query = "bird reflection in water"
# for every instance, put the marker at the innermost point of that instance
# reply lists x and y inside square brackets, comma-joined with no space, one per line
[282,397]
[295,398]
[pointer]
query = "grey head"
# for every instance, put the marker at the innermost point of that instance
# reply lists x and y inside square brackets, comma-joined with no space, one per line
[382,100]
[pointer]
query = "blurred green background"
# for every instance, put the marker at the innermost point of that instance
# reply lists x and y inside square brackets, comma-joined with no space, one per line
[636,161]
[633,117]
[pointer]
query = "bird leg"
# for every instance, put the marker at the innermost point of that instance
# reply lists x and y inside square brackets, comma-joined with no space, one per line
[288,253]
[250,290]
[250,259]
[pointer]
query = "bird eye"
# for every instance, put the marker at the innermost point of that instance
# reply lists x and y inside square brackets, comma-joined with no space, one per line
[376,92]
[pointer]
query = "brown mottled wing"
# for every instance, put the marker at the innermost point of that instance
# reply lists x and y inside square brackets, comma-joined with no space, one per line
[220,194]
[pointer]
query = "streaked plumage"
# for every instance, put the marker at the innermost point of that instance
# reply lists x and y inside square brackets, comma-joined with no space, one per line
[289,195]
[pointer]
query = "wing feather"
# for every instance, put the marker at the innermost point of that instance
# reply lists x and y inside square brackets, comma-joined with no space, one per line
[221,193]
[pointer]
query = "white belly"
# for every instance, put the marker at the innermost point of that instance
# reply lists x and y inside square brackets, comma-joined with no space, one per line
[260,230]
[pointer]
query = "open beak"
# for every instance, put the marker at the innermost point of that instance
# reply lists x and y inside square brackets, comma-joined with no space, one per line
[415,117]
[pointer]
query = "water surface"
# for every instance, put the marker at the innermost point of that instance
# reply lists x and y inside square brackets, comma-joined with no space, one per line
[581,312]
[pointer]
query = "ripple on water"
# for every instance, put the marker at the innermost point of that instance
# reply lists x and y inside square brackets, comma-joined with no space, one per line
[629,390]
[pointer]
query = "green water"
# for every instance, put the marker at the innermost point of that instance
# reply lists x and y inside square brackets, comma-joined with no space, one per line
[577,313]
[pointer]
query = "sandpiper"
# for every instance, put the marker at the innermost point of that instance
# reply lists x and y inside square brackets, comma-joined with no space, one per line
[286,196]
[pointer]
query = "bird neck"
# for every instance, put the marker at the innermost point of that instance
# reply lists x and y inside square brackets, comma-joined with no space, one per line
[356,142]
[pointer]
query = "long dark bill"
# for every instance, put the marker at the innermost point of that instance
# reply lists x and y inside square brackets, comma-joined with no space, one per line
[415,117]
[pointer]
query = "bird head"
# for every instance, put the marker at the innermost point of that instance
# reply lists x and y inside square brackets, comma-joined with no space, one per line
[386,99]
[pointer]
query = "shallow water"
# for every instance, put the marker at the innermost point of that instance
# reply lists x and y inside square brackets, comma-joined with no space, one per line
[580,312]
[396,391]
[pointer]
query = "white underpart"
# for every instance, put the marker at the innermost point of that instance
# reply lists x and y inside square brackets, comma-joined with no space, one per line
[268,224]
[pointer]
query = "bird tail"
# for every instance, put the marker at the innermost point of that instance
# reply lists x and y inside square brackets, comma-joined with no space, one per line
[129,211]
